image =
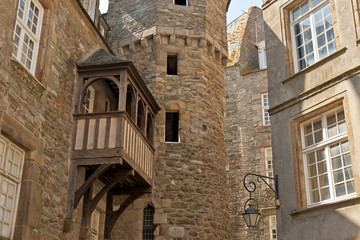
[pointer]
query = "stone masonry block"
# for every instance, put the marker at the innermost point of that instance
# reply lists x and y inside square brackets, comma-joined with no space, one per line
[31,171]
[160,218]
[29,207]
[176,232]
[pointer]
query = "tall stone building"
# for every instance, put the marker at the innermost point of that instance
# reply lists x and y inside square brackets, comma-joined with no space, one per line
[247,124]
[180,49]
[314,92]
[123,135]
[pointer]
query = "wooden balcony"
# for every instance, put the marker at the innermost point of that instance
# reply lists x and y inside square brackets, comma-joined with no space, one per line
[110,138]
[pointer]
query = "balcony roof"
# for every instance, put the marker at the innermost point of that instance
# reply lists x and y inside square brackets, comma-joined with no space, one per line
[102,60]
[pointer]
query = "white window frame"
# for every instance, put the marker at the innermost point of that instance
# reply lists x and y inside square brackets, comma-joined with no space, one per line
[91,99]
[265,109]
[268,160]
[272,227]
[15,179]
[90,7]
[262,55]
[325,143]
[187,3]
[311,13]
[95,224]
[22,23]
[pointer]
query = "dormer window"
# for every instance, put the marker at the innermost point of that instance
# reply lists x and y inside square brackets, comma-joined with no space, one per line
[181,2]
[90,7]
[262,55]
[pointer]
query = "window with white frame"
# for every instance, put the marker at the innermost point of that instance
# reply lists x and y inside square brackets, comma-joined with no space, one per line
[95,220]
[265,109]
[269,164]
[312,32]
[326,154]
[262,55]
[27,32]
[272,227]
[88,100]
[11,165]
[90,7]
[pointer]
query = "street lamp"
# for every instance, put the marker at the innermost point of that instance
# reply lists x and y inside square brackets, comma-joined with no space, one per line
[251,214]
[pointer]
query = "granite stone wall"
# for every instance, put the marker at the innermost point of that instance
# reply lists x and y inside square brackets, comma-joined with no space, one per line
[246,138]
[190,193]
[36,112]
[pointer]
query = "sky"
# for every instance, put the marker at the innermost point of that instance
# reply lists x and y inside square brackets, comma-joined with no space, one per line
[237,7]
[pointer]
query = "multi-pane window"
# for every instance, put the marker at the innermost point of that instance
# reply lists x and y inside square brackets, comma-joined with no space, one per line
[272,227]
[326,152]
[262,55]
[95,220]
[312,32]
[27,32]
[265,109]
[88,100]
[11,164]
[148,223]
[269,164]
[89,6]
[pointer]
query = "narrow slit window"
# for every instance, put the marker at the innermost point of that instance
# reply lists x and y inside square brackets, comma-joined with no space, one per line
[181,2]
[172,127]
[172,64]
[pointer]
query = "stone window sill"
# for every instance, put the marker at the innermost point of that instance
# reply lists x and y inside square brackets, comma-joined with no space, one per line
[31,81]
[315,65]
[181,7]
[328,207]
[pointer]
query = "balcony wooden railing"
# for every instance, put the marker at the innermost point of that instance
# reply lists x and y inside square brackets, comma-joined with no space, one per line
[99,137]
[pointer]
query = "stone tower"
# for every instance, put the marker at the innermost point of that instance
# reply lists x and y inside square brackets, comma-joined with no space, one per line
[180,49]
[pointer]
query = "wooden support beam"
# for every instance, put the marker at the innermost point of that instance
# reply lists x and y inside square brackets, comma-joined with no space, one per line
[106,188]
[88,182]
[130,190]
[112,217]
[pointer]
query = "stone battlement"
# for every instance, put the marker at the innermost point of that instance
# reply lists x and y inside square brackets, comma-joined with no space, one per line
[164,35]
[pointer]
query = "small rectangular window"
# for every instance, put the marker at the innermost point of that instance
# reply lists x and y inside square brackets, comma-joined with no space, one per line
[269,164]
[181,2]
[272,227]
[172,64]
[95,220]
[265,109]
[172,127]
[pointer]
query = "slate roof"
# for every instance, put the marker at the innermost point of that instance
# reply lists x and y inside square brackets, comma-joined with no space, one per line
[101,57]
[235,33]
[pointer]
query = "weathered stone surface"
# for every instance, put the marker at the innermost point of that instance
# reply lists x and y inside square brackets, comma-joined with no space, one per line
[177,232]
[36,112]
[197,92]
[245,135]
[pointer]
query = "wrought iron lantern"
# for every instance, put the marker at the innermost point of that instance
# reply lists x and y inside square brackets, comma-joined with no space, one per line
[251,214]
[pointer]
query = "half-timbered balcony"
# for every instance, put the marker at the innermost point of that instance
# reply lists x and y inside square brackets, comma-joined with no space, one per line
[112,138]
